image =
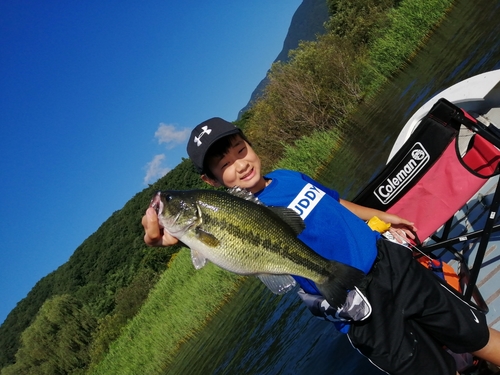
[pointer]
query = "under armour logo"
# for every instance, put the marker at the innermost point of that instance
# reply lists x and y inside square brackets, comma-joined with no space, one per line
[197,139]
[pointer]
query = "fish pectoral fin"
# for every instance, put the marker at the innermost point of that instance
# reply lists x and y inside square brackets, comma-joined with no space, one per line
[278,284]
[207,238]
[198,259]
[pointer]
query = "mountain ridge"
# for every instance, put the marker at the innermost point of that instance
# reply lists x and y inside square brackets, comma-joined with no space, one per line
[307,22]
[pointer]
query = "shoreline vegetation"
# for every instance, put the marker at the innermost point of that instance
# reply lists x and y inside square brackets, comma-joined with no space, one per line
[180,304]
[303,107]
[407,28]
[325,80]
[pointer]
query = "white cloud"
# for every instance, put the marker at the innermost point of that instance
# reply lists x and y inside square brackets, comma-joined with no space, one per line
[155,169]
[170,135]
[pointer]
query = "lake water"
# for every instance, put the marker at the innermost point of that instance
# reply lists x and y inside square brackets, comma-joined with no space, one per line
[260,333]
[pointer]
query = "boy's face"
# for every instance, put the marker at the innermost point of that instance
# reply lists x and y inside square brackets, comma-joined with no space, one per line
[239,166]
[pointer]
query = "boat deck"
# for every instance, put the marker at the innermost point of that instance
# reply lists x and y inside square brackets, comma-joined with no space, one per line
[470,218]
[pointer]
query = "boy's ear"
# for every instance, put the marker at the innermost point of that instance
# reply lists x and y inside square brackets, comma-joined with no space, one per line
[209,181]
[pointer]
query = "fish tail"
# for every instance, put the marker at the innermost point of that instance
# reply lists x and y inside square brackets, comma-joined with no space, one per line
[340,280]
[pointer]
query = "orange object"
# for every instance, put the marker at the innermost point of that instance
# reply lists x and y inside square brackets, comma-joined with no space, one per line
[443,269]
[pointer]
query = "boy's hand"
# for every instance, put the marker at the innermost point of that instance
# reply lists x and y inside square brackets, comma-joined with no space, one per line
[155,235]
[401,228]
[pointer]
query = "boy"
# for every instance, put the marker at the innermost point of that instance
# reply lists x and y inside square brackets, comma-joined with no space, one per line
[413,314]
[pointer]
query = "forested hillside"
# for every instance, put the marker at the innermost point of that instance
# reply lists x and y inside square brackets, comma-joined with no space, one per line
[96,301]
[111,272]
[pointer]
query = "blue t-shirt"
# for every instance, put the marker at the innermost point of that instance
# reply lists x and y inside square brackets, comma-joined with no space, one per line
[331,230]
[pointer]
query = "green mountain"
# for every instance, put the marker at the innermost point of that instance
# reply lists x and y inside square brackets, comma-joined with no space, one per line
[307,22]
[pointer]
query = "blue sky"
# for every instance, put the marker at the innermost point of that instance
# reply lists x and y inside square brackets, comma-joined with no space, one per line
[97,99]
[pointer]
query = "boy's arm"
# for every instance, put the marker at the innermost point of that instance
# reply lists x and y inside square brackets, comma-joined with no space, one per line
[154,234]
[366,213]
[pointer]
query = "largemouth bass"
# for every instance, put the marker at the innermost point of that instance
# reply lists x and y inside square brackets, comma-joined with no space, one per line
[232,230]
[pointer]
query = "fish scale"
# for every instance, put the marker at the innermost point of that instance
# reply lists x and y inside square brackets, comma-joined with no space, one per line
[247,238]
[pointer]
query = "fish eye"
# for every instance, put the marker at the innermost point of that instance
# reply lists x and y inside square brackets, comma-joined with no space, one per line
[168,197]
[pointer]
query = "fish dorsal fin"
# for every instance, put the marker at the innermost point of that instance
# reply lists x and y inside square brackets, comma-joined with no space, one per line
[207,238]
[290,217]
[244,194]
[278,284]
[198,259]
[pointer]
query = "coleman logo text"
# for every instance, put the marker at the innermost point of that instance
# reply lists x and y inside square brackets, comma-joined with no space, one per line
[406,171]
[306,200]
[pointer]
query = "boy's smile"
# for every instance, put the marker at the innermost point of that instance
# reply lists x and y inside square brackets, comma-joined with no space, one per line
[239,166]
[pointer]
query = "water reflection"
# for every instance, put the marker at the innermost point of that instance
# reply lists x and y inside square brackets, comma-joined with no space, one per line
[260,333]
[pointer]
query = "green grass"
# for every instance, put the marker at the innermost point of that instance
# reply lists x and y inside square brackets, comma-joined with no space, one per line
[410,26]
[179,305]
[309,154]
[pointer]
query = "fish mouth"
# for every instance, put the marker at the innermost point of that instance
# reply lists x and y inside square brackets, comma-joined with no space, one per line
[156,203]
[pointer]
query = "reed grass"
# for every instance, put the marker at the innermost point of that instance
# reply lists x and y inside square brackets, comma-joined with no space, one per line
[309,154]
[180,304]
[410,26]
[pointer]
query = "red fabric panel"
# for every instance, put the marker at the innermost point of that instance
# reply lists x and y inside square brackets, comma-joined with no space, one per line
[442,191]
[483,157]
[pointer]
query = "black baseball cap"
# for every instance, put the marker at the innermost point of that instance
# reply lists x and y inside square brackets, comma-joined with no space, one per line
[205,135]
